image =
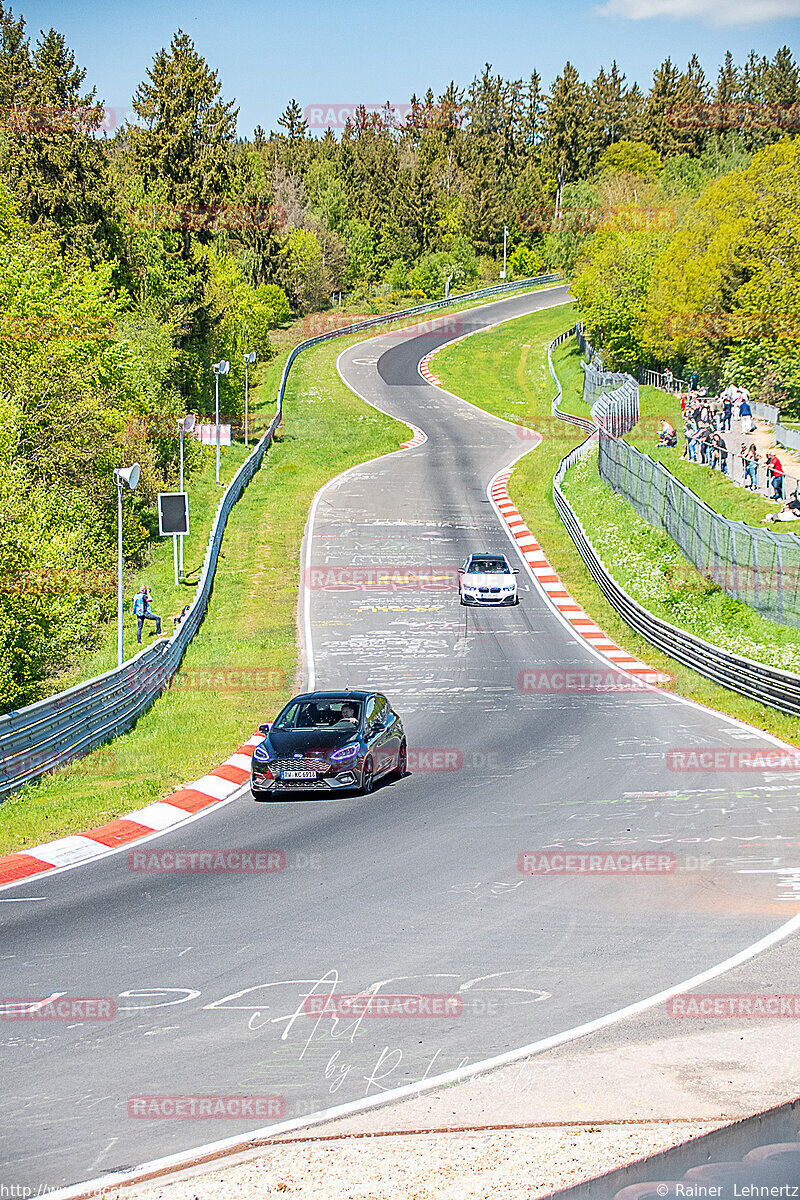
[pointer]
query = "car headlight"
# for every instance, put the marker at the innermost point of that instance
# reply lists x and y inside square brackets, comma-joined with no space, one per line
[345,754]
[261,754]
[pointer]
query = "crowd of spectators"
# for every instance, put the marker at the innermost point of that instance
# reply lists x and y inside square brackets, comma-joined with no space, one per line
[705,419]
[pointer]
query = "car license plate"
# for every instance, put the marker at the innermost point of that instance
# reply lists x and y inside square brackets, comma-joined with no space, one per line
[298,774]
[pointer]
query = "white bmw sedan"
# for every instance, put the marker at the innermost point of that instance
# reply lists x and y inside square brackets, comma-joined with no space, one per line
[488,579]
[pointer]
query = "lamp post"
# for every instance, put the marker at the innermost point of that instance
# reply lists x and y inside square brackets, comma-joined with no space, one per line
[447,286]
[129,475]
[185,425]
[249,359]
[505,238]
[220,368]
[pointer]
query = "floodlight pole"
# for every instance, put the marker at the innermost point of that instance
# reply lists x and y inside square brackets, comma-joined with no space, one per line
[248,358]
[119,569]
[505,236]
[215,369]
[131,476]
[220,368]
[185,425]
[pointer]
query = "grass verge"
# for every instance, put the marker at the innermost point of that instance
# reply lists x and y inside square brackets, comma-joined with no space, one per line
[505,372]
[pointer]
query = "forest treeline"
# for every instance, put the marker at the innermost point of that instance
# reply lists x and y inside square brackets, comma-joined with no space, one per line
[131,261]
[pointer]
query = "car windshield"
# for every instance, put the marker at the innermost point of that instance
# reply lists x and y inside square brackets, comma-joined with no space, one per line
[488,566]
[321,714]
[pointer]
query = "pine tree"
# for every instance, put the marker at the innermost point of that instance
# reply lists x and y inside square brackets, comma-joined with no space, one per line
[609,105]
[15,60]
[662,118]
[565,152]
[292,120]
[52,163]
[187,128]
[727,82]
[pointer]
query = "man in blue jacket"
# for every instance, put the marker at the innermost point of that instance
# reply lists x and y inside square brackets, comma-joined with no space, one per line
[143,612]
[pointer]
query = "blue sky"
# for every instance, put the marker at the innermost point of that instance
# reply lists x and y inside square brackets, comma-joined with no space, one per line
[333,54]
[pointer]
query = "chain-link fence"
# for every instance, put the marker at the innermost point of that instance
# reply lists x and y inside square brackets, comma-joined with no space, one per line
[612,397]
[759,566]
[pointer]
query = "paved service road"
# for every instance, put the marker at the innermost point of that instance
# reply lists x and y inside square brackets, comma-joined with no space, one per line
[416,888]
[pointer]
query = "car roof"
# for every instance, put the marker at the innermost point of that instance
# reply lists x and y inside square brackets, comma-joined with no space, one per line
[345,694]
[486,557]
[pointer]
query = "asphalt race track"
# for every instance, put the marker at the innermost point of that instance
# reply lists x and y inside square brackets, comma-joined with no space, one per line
[416,888]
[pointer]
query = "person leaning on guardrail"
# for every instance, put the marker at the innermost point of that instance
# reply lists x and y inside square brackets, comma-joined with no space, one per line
[752,468]
[775,476]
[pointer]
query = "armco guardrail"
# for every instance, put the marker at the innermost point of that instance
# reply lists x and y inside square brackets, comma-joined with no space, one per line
[55,731]
[769,685]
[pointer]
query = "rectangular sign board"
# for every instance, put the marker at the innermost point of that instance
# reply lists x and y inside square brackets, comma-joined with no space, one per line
[207,435]
[173,513]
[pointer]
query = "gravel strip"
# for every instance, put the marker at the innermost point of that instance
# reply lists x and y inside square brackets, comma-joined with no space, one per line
[507,1165]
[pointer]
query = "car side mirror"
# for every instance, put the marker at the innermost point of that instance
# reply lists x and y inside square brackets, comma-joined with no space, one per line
[516,570]
[265,728]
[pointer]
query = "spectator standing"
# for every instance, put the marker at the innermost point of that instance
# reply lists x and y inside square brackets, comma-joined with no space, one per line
[722,453]
[693,381]
[743,456]
[752,468]
[746,415]
[690,433]
[143,612]
[775,476]
[727,412]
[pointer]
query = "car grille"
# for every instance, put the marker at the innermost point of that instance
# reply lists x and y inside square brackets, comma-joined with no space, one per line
[307,763]
[489,591]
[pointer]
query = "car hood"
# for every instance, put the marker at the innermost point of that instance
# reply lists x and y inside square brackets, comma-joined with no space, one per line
[493,580]
[301,741]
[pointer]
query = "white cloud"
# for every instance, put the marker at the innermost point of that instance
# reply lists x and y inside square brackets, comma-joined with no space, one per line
[714,12]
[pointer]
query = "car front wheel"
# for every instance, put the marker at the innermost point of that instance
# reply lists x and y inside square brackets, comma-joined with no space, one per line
[402,761]
[367,778]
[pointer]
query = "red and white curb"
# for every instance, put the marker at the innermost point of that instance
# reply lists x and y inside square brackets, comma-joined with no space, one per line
[417,440]
[425,370]
[219,784]
[554,589]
